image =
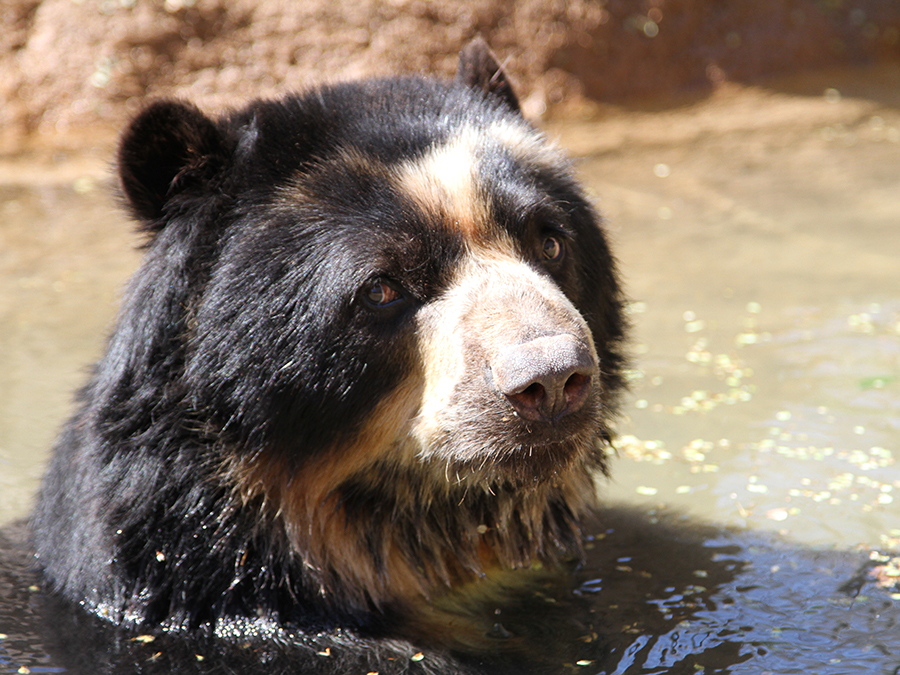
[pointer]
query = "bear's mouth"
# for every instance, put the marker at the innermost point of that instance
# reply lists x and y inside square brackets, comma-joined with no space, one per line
[523,458]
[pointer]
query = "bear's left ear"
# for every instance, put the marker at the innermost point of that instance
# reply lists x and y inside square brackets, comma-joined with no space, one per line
[167,147]
[479,68]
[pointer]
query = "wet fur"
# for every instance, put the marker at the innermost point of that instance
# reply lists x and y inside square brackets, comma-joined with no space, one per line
[254,444]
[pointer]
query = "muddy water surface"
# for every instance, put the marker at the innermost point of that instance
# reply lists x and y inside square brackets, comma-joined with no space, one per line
[65,253]
[757,231]
[759,234]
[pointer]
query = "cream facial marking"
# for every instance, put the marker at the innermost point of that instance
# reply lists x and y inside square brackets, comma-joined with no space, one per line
[444,183]
[489,303]
[525,144]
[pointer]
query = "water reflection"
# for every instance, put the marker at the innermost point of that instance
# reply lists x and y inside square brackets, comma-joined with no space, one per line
[658,594]
[728,601]
[763,267]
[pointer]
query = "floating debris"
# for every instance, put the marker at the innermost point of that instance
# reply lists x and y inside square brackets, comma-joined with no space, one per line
[886,575]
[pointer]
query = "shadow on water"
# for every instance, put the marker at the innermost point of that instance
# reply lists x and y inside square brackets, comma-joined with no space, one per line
[658,594]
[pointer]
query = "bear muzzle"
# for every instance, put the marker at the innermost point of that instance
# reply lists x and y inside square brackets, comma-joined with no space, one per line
[546,378]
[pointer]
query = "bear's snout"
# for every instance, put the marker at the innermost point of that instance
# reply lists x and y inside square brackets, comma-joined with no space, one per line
[546,378]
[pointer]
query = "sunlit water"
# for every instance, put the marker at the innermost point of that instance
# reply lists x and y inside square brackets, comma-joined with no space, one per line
[762,253]
[758,236]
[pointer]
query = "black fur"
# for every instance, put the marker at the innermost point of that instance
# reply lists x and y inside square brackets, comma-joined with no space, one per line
[246,338]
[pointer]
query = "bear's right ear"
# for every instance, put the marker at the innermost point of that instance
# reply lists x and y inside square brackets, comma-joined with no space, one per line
[478,68]
[168,145]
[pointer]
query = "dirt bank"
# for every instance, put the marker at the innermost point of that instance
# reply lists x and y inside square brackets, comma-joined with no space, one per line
[84,63]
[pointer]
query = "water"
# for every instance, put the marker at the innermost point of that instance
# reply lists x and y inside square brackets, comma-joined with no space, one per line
[64,254]
[757,468]
[761,251]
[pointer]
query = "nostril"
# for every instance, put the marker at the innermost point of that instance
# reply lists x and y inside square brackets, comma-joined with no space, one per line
[529,399]
[576,390]
[549,400]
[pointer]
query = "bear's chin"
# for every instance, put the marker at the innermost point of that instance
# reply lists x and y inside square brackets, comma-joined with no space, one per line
[524,455]
[520,468]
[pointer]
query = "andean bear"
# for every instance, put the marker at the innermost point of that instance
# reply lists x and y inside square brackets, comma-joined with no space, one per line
[369,363]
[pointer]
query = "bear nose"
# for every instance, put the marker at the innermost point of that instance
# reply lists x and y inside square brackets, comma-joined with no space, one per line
[546,378]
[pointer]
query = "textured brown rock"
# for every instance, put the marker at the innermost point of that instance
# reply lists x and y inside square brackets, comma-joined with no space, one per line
[66,63]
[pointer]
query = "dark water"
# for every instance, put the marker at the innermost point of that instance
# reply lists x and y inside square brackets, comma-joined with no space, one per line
[755,502]
[657,595]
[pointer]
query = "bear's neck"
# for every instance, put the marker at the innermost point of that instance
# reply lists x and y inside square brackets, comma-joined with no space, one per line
[385,540]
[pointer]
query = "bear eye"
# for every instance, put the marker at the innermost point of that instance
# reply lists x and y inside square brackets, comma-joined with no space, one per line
[380,293]
[552,249]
